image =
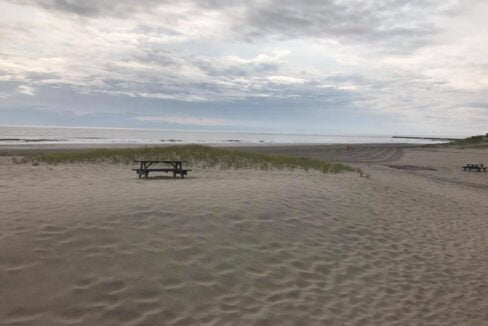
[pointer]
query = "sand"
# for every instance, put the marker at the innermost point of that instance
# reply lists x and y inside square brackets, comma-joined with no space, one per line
[94,245]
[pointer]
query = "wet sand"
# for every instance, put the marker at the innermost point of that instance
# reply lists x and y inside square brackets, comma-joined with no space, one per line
[93,245]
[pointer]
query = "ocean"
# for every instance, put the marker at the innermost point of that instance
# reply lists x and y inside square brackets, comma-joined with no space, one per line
[75,135]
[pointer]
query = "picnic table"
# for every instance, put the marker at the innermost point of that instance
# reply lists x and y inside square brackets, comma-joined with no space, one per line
[176,167]
[478,167]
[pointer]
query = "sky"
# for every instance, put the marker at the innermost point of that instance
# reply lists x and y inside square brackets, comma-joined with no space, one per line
[352,67]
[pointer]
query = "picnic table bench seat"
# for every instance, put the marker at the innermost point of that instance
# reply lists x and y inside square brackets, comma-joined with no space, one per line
[478,167]
[176,167]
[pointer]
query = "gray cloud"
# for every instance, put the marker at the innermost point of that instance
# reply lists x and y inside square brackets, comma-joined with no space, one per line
[121,7]
[96,8]
[480,105]
[405,22]
[359,19]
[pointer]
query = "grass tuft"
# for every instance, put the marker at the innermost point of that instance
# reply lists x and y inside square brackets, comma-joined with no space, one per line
[196,155]
[480,141]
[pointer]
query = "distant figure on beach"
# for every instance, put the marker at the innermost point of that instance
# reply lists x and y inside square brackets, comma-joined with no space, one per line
[348,148]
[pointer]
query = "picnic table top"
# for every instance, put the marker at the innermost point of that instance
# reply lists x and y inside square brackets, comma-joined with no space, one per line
[158,161]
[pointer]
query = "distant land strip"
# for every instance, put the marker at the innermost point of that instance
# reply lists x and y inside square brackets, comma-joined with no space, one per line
[428,138]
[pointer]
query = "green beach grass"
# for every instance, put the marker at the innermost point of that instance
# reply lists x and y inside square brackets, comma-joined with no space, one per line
[479,141]
[196,155]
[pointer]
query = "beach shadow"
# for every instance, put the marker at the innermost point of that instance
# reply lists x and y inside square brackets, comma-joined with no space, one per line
[411,167]
[165,177]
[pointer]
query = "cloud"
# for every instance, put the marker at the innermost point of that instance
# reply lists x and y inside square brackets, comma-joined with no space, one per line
[94,7]
[190,121]
[27,90]
[381,21]
[286,80]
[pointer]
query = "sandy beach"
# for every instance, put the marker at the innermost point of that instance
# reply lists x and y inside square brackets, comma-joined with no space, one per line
[91,244]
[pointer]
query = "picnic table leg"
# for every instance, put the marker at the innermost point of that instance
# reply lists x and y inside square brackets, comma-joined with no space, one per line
[139,172]
[182,173]
[143,169]
[175,168]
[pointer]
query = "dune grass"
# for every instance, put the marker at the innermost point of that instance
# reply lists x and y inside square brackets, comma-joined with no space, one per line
[196,155]
[480,141]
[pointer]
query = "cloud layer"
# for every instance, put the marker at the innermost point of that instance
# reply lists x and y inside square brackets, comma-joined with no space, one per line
[411,66]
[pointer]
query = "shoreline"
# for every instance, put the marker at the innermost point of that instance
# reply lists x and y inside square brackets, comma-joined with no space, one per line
[29,137]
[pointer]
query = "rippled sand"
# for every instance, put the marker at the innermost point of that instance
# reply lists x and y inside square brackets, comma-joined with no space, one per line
[94,245]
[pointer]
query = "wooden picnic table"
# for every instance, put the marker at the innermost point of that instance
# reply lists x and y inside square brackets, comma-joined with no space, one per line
[176,167]
[478,167]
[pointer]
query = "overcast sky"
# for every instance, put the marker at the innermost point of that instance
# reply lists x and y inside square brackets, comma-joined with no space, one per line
[417,67]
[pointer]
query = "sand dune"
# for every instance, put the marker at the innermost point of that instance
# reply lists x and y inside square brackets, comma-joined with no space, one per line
[80,246]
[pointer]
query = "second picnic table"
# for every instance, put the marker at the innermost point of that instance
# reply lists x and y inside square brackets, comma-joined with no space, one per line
[176,167]
[479,167]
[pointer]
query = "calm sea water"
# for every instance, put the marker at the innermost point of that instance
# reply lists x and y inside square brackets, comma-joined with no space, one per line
[56,135]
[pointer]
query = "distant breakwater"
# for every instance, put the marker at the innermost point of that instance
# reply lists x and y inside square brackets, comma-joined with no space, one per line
[428,138]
